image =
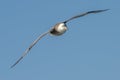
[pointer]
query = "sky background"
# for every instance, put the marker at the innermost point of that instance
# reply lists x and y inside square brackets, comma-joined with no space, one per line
[89,50]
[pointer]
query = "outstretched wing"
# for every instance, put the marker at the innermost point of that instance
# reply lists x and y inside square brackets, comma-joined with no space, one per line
[86,13]
[29,48]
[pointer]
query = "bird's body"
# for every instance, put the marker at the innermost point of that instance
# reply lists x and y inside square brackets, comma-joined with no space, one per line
[56,30]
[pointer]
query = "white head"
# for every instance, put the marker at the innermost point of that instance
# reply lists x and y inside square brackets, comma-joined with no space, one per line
[58,29]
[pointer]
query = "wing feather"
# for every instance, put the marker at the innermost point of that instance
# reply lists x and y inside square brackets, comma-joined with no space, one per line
[84,14]
[29,48]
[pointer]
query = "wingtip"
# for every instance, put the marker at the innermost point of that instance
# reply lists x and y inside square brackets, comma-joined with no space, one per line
[106,9]
[97,11]
[16,62]
[11,67]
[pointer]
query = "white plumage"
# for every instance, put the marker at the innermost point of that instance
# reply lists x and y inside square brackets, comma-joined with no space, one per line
[58,29]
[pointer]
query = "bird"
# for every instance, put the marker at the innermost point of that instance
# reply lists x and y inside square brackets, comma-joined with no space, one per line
[57,30]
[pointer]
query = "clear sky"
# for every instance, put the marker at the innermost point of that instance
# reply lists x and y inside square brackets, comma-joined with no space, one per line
[89,50]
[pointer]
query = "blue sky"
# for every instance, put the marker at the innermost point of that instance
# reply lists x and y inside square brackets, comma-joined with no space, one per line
[89,50]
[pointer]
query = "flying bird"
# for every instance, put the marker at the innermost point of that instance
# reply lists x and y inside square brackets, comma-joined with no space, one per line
[56,30]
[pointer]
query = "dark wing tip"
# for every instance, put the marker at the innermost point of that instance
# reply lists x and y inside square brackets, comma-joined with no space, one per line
[97,11]
[105,10]
[16,62]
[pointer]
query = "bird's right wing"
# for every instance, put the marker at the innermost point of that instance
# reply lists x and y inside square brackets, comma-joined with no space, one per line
[29,48]
[83,14]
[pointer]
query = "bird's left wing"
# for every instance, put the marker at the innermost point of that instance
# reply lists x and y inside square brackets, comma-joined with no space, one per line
[29,48]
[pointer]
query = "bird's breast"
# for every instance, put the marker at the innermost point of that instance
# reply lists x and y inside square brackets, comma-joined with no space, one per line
[58,29]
